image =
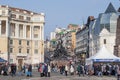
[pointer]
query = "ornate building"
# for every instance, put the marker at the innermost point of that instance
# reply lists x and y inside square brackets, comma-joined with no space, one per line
[21,35]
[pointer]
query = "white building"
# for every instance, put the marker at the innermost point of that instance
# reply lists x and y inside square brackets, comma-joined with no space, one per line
[21,35]
[52,35]
[103,31]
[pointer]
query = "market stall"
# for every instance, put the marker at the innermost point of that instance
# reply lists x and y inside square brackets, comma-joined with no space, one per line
[103,55]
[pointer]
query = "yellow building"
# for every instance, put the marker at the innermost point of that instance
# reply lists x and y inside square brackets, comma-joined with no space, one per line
[71,38]
[21,35]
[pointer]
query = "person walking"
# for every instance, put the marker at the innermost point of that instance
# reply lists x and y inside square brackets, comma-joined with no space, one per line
[78,70]
[49,70]
[118,74]
[66,70]
[45,70]
[41,70]
[71,70]
[19,70]
[9,70]
[100,70]
[30,70]
[13,70]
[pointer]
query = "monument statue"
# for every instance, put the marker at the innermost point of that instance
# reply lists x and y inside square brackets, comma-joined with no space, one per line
[60,51]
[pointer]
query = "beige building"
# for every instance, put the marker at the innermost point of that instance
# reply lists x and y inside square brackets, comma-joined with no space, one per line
[21,35]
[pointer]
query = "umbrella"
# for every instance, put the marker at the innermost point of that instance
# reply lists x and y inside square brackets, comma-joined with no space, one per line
[2,60]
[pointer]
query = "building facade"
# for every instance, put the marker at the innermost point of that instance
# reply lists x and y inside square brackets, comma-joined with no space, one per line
[102,30]
[52,35]
[98,32]
[22,35]
[82,44]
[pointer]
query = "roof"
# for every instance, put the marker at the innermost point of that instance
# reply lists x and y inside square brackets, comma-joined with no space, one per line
[103,55]
[74,25]
[73,31]
[110,9]
[61,32]
[20,10]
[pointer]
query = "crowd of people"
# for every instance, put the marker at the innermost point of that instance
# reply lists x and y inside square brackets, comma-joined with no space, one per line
[67,69]
[12,70]
[96,69]
[44,70]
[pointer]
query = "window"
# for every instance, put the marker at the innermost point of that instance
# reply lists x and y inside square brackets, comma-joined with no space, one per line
[35,35]
[36,43]
[3,27]
[28,50]
[36,28]
[13,15]
[27,43]
[21,17]
[36,51]
[20,30]
[11,50]
[3,12]
[11,41]
[104,41]
[28,18]
[11,60]
[20,42]
[19,50]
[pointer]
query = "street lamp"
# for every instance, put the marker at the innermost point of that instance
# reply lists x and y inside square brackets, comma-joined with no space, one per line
[8,51]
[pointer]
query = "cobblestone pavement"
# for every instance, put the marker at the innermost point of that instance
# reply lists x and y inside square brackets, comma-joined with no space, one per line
[56,76]
[73,78]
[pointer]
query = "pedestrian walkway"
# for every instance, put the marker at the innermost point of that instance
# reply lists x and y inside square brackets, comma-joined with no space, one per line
[73,78]
[56,76]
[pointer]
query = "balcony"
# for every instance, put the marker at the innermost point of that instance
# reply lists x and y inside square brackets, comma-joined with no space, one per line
[22,55]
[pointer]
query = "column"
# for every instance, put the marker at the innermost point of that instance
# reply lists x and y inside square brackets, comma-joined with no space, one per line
[7,28]
[16,30]
[24,31]
[31,32]
[40,33]
[43,33]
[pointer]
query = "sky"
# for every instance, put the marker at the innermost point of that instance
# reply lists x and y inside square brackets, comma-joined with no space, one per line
[61,13]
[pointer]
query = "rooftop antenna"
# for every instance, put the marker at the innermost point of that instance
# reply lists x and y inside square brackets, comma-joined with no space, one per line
[83,21]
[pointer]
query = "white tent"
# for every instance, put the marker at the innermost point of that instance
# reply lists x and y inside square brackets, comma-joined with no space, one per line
[103,55]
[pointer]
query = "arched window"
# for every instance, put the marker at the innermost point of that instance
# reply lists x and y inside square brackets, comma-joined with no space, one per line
[104,41]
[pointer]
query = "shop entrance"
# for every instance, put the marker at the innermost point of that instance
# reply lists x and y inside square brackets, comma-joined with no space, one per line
[20,61]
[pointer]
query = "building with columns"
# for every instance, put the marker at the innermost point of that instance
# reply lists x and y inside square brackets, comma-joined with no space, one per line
[21,35]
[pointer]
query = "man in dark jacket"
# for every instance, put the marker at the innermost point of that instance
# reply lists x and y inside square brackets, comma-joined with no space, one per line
[30,70]
[46,70]
[79,70]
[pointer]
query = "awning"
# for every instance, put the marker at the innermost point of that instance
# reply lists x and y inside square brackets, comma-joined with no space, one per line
[2,60]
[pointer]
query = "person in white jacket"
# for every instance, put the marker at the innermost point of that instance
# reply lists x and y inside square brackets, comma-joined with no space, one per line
[66,70]
[49,70]
[71,70]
